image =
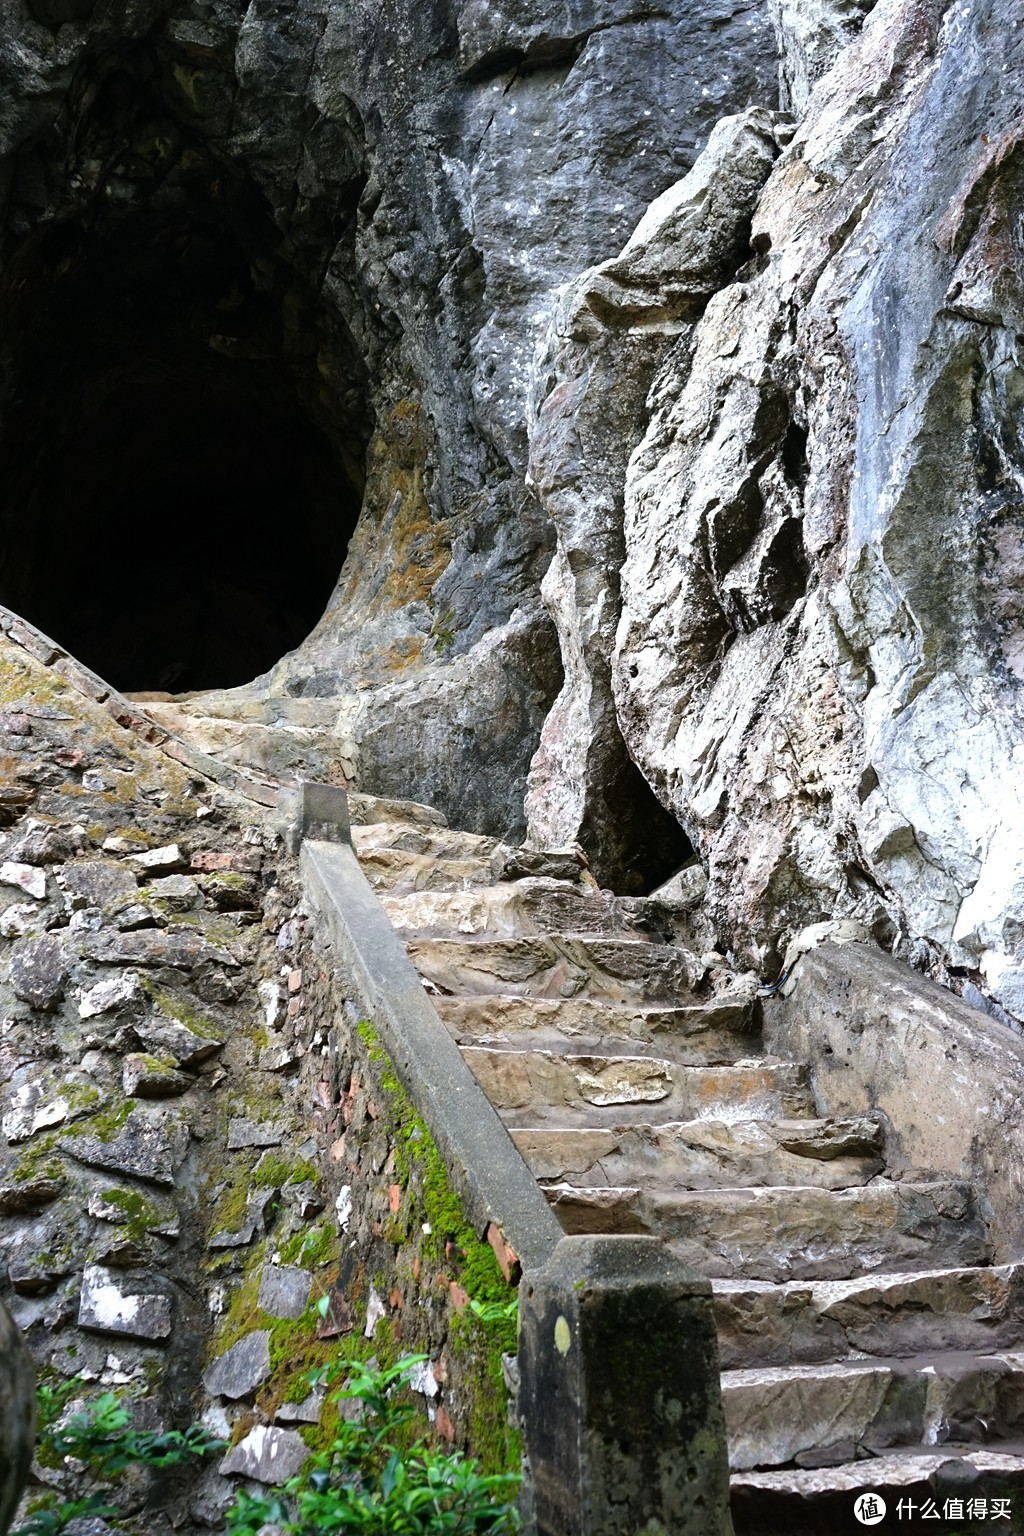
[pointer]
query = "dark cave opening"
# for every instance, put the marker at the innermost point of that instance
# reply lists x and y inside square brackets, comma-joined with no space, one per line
[171,509]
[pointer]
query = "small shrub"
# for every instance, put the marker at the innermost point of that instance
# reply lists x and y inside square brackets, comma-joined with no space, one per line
[366,1482]
[88,1452]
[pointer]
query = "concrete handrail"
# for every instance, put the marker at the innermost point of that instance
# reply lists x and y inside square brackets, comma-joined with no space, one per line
[621,1404]
[483,1161]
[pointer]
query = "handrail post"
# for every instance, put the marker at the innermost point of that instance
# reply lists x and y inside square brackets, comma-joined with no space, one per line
[619,1397]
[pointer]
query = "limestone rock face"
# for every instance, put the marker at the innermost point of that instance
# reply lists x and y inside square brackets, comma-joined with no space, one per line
[407,189]
[817,652]
[612,328]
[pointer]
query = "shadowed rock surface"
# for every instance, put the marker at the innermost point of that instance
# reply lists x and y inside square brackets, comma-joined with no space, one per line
[17,1416]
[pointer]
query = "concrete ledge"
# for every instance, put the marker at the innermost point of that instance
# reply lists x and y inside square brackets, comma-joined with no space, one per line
[494,1182]
[948,1078]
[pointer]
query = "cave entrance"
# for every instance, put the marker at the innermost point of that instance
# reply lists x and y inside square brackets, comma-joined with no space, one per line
[176,493]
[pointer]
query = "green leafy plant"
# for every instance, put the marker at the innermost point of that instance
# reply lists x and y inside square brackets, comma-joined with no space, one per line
[88,1451]
[495,1311]
[375,1479]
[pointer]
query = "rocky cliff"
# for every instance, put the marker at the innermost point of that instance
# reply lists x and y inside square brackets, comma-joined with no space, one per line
[667,361]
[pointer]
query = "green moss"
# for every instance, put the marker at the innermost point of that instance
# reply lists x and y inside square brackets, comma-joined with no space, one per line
[106,1126]
[81,1098]
[179,1011]
[310,1249]
[477,1344]
[38,1161]
[135,1213]
[261,1100]
[276,1169]
[232,1205]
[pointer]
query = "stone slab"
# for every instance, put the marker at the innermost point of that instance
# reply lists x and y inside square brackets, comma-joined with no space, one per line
[108,1308]
[267,1455]
[797,1233]
[284,1290]
[242,1368]
[948,1078]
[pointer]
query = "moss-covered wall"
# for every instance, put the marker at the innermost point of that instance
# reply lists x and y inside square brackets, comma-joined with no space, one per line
[394,1243]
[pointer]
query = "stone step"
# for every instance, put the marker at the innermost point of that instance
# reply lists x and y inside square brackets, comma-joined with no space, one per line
[906,1314]
[559,965]
[395,872]
[365,810]
[813,1414]
[795,1233]
[607,1090]
[436,842]
[723,1029]
[513,909]
[706,1154]
[946,1481]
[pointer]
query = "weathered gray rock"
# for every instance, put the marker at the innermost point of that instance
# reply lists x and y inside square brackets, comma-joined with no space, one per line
[34,1104]
[611,330]
[39,971]
[182,951]
[113,992]
[188,1043]
[96,882]
[811,34]
[17,1417]
[108,1308]
[306,1412]
[255,1133]
[242,1368]
[25,877]
[152,1077]
[284,1290]
[22,1196]
[136,1147]
[827,707]
[267,1455]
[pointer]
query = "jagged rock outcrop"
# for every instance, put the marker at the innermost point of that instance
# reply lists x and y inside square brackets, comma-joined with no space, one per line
[612,329]
[763,467]
[374,207]
[818,655]
[817,651]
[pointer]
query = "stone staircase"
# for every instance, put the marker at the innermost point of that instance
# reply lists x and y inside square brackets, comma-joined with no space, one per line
[866,1340]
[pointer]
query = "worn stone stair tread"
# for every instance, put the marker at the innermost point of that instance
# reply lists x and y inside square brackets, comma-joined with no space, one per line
[559,965]
[890,1469]
[977,1308]
[641,1108]
[365,810]
[436,841]
[694,1154]
[614,1089]
[820,1413]
[818,1501]
[775,1415]
[720,1029]
[399,873]
[525,908]
[793,1233]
